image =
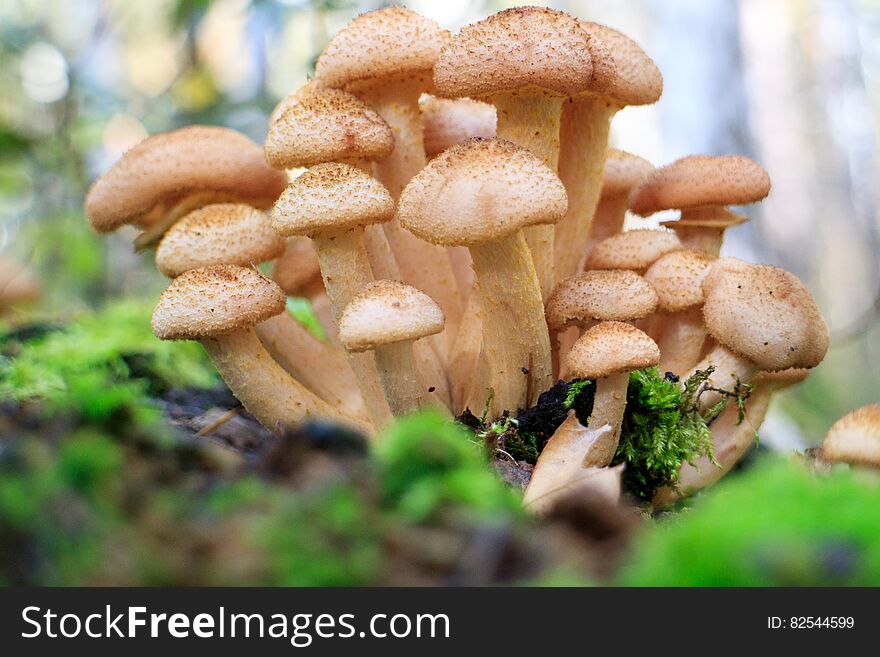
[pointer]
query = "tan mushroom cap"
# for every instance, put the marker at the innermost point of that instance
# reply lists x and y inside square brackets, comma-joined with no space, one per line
[620,295]
[327,125]
[290,100]
[678,279]
[331,197]
[785,378]
[637,80]
[765,314]
[385,312]
[18,284]
[297,269]
[215,300]
[393,41]
[701,181]
[447,122]
[479,191]
[171,165]
[611,348]
[224,233]
[515,48]
[855,438]
[623,172]
[633,249]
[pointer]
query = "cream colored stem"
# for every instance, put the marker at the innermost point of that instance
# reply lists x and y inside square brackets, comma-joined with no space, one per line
[702,239]
[583,136]
[321,308]
[424,266]
[607,221]
[531,119]
[405,390]
[320,367]
[466,353]
[608,406]
[383,263]
[463,269]
[345,270]
[515,352]
[729,368]
[680,337]
[263,387]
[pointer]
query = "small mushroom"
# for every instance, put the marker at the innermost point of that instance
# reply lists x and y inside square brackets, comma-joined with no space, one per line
[481,194]
[608,352]
[526,61]
[168,175]
[701,186]
[855,438]
[635,249]
[387,317]
[762,318]
[219,306]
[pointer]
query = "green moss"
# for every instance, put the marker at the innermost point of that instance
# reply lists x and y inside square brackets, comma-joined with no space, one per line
[775,525]
[301,309]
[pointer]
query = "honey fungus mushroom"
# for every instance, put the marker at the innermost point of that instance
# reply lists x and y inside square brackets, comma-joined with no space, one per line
[386,317]
[634,249]
[855,438]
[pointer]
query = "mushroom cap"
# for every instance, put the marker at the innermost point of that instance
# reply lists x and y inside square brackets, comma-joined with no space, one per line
[678,279]
[699,181]
[765,314]
[855,438]
[18,284]
[611,348]
[784,378]
[620,295]
[290,100]
[636,79]
[327,125]
[393,41]
[331,197]
[623,171]
[711,217]
[215,300]
[385,312]
[297,268]
[168,166]
[633,249]
[478,191]
[224,233]
[447,122]
[521,47]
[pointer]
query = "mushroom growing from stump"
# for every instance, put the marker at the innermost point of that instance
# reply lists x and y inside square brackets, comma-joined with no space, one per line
[219,306]
[482,194]
[386,317]
[855,438]
[762,318]
[526,61]
[168,175]
[608,352]
[701,186]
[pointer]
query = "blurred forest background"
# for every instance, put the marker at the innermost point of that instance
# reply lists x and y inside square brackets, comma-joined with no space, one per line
[795,84]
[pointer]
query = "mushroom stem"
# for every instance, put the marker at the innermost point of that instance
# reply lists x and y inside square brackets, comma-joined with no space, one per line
[515,352]
[729,368]
[702,229]
[608,406]
[263,387]
[466,351]
[318,366]
[530,118]
[383,262]
[400,379]
[607,221]
[583,134]
[681,338]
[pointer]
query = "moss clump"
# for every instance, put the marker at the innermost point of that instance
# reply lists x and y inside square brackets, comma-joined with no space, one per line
[775,525]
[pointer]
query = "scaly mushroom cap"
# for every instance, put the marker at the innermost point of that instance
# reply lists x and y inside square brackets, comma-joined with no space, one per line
[291,100]
[297,268]
[215,300]
[447,122]
[393,41]
[701,181]
[611,348]
[784,378]
[331,197]
[633,249]
[855,438]
[623,171]
[17,283]
[479,191]
[636,80]
[522,47]
[385,312]
[678,279]
[224,233]
[620,295]
[765,314]
[327,125]
[171,165]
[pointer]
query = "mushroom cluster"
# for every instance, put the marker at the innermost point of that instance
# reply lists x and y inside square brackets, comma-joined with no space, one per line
[450,206]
